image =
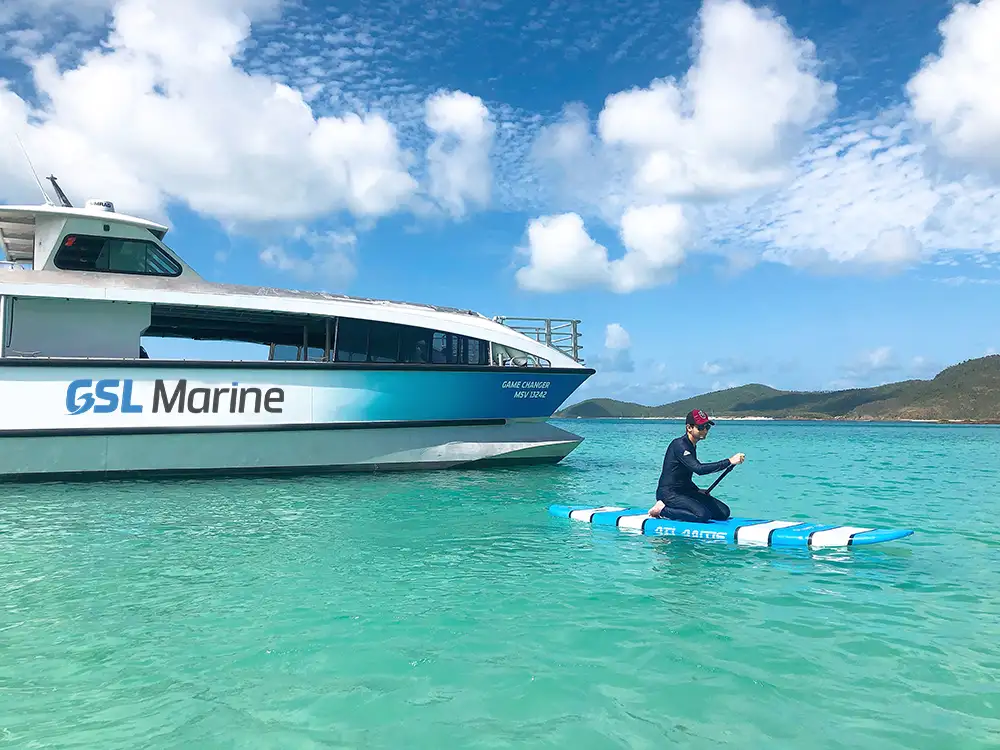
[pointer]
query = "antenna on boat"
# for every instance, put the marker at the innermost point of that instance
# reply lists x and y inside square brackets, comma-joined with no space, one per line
[48,200]
[62,196]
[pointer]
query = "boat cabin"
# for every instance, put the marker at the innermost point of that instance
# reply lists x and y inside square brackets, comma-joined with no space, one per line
[92,283]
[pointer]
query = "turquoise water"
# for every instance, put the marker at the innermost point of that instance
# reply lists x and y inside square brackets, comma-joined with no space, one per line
[450,610]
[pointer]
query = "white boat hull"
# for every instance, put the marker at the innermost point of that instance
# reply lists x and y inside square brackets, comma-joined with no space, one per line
[271,452]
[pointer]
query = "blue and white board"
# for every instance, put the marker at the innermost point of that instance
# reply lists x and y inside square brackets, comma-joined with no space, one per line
[742,531]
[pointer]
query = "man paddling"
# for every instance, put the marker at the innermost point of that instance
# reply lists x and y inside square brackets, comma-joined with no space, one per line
[677,497]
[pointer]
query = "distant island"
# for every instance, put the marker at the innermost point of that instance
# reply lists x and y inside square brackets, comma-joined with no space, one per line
[966,392]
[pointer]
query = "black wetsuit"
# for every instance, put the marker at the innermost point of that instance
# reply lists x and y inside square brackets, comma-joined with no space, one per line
[682,499]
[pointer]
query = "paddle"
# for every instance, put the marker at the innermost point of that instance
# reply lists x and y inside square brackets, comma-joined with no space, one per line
[721,477]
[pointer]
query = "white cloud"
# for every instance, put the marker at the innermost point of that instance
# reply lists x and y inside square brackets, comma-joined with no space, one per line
[562,255]
[893,247]
[861,198]
[963,280]
[869,195]
[616,337]
[34,11]
[878,359]
[881,365]
[162,113]
[873,363]
[577,169]
[955,95]
[458,159]
[725,366]
[191,110]
[730,126]
[618,350]
[654,238]
[330,260]
[735,120]
[733,143]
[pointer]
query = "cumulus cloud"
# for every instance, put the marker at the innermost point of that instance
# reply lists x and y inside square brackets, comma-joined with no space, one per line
[562,255]
[162,113]
[458,160]
[954,94]
[577,169]
[653,237]
[893,247]
[734,142]
[735,120]
[731,125]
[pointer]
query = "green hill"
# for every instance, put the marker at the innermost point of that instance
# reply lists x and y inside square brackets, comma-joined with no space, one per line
[969,391]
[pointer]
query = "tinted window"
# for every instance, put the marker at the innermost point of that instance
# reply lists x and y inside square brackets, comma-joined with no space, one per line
[439,348]
[80,252]
[383,342]
[352,340]
[476,352]
[414,345]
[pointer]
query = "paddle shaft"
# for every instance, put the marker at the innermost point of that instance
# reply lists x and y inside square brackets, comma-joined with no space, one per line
[728,469]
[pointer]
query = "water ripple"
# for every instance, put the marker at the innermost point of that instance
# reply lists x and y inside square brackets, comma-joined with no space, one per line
[426,610]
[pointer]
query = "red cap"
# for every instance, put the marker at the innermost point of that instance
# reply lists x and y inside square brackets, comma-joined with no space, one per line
[697,418]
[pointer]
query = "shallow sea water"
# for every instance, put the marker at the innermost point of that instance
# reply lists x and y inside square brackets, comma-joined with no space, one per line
[449,609]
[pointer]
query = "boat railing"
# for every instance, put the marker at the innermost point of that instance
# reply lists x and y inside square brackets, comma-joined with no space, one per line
[561,334]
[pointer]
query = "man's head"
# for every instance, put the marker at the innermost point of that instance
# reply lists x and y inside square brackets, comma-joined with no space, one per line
[698,424]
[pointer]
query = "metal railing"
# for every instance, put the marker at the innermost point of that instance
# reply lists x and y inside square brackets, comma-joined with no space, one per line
[562,334]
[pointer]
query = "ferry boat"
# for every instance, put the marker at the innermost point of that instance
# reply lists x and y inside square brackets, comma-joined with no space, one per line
[342,384]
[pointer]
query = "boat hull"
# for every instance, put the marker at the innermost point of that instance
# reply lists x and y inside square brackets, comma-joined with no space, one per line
[69,421]
[281,452]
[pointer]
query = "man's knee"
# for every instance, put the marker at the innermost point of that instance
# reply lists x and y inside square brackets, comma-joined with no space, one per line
[719,510]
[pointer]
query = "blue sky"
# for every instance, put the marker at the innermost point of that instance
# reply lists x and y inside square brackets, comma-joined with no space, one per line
[804,193]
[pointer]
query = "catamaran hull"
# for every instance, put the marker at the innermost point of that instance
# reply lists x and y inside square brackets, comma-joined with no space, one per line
[84,420]
[281,452]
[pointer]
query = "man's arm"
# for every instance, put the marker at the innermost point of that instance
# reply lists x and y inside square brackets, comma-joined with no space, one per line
[699,468]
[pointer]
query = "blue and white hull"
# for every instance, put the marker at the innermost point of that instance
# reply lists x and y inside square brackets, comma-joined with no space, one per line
[68,419]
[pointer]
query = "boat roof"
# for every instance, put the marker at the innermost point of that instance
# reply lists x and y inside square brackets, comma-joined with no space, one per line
[18,224]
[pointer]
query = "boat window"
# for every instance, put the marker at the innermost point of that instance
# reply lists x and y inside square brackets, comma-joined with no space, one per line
[80,252]
[444,348]
[475,352]
[414,345]
[383,342]
[295,337]
[284,353]
[508,356]
[352,340]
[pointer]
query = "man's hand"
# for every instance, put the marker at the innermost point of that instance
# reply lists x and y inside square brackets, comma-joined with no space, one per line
[737,459]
